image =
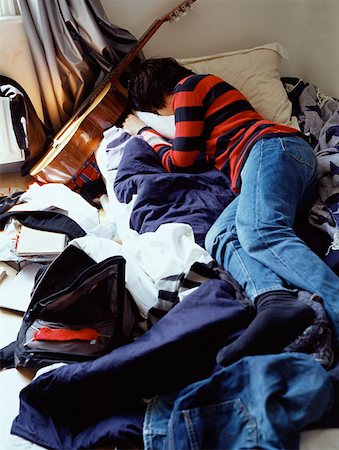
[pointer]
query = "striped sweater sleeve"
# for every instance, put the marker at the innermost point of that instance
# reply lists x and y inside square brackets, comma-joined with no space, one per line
[187,151]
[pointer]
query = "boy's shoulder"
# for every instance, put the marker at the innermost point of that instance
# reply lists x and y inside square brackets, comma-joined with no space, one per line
[191,82]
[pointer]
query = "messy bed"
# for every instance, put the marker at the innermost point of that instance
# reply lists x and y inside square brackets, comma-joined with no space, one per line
[162,388]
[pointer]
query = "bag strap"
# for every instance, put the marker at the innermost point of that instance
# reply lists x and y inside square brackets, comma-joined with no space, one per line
[7,356]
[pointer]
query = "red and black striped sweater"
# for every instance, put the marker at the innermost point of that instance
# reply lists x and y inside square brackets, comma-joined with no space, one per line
[215,125]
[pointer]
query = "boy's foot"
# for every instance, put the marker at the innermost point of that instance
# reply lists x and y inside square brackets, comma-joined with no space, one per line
[280,318]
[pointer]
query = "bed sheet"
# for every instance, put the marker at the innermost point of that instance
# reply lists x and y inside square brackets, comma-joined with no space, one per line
[318,118]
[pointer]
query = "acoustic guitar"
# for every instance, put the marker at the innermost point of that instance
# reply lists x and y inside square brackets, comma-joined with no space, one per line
[77,140]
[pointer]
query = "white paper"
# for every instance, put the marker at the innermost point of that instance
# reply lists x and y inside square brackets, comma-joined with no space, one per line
[16,294]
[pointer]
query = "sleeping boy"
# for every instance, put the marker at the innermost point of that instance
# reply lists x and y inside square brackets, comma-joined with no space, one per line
[273,170]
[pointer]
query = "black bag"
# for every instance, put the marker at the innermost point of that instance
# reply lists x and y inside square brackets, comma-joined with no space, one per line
[32,136]
[79,310]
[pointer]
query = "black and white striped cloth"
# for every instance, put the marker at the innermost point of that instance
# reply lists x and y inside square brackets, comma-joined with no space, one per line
[175,288]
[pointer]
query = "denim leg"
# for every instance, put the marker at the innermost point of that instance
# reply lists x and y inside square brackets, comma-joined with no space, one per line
[155,425]
[257,402]
[278,178]
[223,244]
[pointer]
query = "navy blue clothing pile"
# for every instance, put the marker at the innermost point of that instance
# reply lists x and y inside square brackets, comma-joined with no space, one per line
[196,199]
[80,405]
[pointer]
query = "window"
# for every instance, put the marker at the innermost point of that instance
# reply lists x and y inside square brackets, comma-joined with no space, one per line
[9,8]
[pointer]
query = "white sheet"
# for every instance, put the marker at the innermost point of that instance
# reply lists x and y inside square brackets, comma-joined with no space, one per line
[150,257]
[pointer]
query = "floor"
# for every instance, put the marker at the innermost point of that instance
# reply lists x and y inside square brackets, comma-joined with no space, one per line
[12,381]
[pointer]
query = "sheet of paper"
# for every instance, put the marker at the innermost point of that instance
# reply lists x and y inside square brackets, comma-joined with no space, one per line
[16,294]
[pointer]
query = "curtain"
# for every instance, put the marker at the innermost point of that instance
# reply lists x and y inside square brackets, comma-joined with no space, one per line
[73,46]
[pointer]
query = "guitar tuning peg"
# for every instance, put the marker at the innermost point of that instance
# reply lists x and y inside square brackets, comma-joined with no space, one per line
[176,16]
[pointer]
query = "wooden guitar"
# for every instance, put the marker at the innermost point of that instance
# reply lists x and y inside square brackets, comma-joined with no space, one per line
[80,136]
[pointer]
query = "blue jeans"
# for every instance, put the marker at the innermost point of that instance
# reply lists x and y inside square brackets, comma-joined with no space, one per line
[254,237]
[258,402]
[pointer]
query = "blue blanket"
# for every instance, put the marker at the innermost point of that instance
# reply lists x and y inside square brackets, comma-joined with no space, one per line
[193,198]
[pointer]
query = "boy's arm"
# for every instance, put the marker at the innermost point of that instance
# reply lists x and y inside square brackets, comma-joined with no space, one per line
[187,151]
[133,125]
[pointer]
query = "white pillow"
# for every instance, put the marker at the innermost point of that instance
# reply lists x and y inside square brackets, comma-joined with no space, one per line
[162,124]
[254,72]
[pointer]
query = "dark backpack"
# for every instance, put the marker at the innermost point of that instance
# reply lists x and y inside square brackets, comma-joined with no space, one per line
[32,136]
[79,310]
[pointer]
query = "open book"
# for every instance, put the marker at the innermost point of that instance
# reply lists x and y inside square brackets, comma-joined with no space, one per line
[37,242]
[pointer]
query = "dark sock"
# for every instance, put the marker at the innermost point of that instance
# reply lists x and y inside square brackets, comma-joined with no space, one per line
[280,318]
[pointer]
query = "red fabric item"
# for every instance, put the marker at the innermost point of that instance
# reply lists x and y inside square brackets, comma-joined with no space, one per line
[60,334]
[89,172]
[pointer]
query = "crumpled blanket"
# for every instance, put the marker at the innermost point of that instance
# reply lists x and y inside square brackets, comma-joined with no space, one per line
[196,199]
[318,117]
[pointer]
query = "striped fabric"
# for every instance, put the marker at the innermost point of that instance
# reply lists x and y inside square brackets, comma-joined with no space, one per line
[89,172]
[175,288]
[215,126]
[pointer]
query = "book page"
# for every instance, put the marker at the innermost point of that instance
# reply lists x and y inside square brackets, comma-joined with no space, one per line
[16,293]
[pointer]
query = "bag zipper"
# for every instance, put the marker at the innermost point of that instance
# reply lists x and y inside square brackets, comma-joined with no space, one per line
[48,269]
[56,357]
[44,302]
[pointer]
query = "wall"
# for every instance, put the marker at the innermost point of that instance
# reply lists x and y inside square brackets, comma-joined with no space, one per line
[15,58]
[307,28]
[318,56]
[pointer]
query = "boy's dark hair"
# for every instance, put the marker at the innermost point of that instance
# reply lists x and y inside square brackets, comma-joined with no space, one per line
[152,81]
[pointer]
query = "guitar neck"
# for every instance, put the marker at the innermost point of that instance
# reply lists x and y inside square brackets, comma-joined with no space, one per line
[125,62]
[122,66]
[114,75]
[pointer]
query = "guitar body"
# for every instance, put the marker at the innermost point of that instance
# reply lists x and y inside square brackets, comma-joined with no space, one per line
[78,139]
[75,151]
